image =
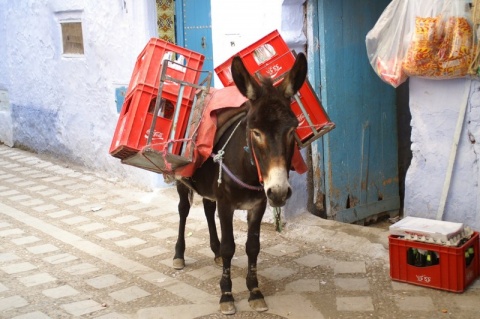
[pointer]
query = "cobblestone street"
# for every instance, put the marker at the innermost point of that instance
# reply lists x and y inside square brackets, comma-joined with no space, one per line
[74,244]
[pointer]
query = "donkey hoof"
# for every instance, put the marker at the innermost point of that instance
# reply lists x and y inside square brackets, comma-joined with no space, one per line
[218,261]
[178,263]
[258,305]
[228,307]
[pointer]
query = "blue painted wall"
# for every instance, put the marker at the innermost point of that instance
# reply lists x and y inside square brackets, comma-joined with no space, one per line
[120,97]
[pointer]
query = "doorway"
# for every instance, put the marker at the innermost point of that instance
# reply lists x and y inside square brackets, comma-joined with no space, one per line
[193,27]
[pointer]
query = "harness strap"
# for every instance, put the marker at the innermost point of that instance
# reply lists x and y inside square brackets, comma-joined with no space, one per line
[235,178]
[260,177]
[218,158]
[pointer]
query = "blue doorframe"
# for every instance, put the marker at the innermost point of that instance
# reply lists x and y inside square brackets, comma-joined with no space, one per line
[357,161]
[193,29]
[317,191]
[179,23]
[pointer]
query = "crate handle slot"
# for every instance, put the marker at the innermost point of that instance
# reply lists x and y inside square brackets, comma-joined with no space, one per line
[264,53]
[422,258]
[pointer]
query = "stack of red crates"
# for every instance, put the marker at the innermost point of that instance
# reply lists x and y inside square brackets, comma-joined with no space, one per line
[271,57]
[135,120]
[454,271]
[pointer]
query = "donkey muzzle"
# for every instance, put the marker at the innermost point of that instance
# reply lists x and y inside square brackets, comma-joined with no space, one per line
[277,187]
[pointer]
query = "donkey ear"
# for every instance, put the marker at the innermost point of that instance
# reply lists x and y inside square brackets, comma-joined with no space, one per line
[295,78]
[245,83]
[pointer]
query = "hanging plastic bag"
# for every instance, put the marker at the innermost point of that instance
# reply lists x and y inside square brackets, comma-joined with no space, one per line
[442,42]
[428,38]
[456,50]
[474,69]
[387,42]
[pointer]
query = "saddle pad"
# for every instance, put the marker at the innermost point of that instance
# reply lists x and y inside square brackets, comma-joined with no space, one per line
[216,99]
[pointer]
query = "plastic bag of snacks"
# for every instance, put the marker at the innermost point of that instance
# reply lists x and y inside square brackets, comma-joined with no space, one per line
[442,45]
[455,52]
[429,38]
[475,64]
[387,42]
[420,59]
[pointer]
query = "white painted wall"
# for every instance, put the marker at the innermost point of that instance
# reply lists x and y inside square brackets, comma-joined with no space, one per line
[65,105]
[244,22]
[6,129]
[435,106]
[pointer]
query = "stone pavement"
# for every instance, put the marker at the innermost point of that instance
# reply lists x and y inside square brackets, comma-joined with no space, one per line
[74,244]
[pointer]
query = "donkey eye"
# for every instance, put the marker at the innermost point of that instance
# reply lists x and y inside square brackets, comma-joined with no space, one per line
[256,134]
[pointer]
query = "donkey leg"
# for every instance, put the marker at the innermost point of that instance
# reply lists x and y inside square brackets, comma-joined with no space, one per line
[184,194]
[209,208]
[227,250]
[256,299]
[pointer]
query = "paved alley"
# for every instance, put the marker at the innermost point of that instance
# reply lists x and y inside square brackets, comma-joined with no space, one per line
[74,244]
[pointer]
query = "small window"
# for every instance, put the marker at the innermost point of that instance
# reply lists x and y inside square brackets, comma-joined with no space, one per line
[72,37]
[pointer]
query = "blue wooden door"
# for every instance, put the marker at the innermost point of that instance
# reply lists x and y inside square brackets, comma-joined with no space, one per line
[359,157]
[194,29]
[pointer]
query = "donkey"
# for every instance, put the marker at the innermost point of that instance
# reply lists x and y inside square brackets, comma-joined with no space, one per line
[257,149]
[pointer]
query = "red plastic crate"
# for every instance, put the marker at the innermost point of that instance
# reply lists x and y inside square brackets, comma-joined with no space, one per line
[275,69]
[224,72]
[255,56]
[267,49]
[148,69]
[135,120]
[315,112]
[451,273]
[271,57]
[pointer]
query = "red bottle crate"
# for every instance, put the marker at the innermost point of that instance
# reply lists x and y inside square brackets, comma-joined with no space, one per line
[451,273]
[275,68]
[255,56]
[148,68]
[224,72]
[135,120]
[314,111]
[266,49]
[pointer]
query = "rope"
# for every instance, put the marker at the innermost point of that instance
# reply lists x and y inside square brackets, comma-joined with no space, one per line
[218,158]
[236,179]
[164,152]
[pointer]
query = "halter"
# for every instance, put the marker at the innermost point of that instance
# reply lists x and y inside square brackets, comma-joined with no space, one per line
[260,177]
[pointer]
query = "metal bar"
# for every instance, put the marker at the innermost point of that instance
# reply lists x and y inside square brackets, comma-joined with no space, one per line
[204,88]
[175,117]
[157,102]
[185,83]
[307,117]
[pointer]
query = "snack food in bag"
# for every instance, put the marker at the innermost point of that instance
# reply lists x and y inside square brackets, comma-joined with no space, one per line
[442,46]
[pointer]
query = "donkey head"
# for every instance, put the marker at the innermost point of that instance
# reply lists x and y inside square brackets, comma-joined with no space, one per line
[271,125]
